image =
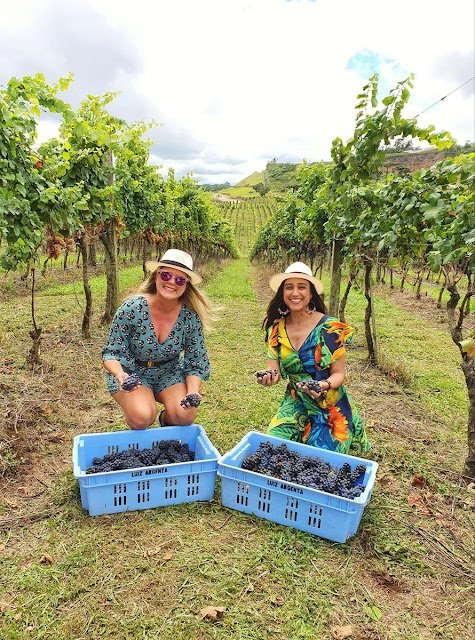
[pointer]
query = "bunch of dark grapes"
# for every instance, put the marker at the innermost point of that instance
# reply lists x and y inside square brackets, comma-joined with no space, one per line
[310,471]
[130,382]
[264,372]
[312,384]
[165,452]
[193,399]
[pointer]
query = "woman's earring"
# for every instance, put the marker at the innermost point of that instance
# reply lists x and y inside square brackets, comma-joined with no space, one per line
[283,312]
[311,308]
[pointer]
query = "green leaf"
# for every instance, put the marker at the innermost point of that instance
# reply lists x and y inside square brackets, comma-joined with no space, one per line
[388,100]
[377,613]
[433,214]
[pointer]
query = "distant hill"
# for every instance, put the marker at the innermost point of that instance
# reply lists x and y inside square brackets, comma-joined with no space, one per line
[277,177]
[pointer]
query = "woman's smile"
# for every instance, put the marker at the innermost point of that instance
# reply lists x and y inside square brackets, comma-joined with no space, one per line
[296,293]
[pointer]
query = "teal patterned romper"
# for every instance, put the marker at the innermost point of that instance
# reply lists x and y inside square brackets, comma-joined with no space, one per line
[133,342]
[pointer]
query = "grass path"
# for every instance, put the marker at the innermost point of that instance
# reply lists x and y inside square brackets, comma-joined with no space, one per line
[405,576]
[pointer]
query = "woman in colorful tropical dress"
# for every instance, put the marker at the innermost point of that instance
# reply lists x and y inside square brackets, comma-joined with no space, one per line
[158,336]
[304,343]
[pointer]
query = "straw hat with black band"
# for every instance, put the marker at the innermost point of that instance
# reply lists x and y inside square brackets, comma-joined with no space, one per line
[296,270]
[178,260]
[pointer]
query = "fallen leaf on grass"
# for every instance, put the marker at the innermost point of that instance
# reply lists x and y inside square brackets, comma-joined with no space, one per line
[46,559]
[278,601]
[149,553]
[373,612]
[249,588]
[56,437]
[415,500]
[340,633]
[213,613]
[418,480]
[168,556]
[5,606]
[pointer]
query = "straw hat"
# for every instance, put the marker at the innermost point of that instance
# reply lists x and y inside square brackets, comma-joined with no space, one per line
[296,270]
[178,260]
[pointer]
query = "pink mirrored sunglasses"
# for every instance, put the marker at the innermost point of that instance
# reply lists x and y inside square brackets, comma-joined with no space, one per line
[166,276]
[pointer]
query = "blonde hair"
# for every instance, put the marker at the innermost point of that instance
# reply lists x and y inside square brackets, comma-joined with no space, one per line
[192,298]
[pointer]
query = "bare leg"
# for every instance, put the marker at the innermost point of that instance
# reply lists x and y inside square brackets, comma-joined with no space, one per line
[139,406]
[175,414]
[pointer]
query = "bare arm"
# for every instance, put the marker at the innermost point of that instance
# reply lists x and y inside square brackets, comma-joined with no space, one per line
[193,384]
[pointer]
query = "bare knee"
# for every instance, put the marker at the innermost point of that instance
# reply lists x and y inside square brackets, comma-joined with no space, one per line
[140,418]
[180,417]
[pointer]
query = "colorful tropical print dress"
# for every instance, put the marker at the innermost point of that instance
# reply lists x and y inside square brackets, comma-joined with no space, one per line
[331,422]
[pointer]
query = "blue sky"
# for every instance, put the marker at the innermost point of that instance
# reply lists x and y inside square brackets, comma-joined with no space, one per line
[236,83]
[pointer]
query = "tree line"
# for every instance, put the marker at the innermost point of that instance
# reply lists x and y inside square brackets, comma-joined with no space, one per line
[93,181]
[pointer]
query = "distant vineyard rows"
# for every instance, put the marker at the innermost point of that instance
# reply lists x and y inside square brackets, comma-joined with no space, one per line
[246,219]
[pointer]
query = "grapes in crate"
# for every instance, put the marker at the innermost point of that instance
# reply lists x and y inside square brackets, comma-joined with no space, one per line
[309,471]
[165,452]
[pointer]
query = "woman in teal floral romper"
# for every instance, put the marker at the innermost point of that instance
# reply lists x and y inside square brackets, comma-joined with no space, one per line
[158,335]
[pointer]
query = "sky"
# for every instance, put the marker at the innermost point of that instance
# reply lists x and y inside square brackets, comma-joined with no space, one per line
[237,83]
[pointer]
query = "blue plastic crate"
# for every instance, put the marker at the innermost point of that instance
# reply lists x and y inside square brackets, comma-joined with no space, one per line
[294,505]
[144,487]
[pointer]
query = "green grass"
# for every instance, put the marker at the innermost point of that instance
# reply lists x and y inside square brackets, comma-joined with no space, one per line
[240,192]
[250,181]
[275,582]
[429,288]
[429,356]
[128,278]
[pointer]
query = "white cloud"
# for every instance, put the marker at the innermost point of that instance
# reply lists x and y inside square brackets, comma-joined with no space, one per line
[236,83]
